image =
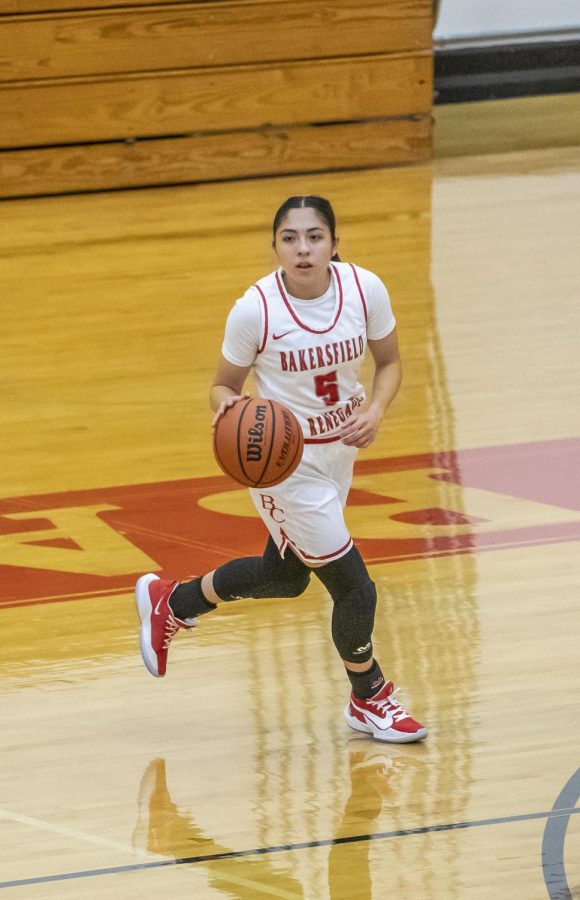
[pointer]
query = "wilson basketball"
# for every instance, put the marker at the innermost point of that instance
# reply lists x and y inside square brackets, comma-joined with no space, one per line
[258,442]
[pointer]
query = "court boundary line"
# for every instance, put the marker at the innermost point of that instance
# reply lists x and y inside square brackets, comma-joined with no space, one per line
[285,848]
[75,834]
[553,865]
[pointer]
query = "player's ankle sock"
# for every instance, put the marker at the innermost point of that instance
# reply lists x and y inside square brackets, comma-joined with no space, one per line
[188,601]
[367,684]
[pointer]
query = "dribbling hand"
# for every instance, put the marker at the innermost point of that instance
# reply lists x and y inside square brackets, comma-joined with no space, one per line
[225,404]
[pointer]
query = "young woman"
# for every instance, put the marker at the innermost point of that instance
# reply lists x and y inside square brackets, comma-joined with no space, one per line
[304,329]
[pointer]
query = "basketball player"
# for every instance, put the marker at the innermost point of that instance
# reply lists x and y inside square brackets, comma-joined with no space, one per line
[304,329]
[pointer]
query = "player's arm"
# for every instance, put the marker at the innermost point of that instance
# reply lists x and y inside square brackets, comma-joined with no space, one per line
[227,387]
[362,429]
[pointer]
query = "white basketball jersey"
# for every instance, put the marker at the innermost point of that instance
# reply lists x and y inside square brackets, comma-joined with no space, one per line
[307,355]
[313,370]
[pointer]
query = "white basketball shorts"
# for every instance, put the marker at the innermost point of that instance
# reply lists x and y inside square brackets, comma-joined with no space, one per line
[305,512]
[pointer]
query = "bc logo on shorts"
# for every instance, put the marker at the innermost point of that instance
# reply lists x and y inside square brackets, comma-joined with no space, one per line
[275,512]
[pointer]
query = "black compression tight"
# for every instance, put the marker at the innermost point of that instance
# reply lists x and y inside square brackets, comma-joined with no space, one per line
[269,575]
[355,598]
[346,579]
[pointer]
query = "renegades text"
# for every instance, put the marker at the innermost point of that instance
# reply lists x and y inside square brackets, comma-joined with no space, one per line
[321,357]
[330,421]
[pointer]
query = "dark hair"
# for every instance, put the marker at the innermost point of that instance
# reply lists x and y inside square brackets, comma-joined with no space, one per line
[321,206]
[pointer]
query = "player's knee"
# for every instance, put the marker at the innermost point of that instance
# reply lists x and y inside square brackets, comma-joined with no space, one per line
[353,619]
[348,573]
[291,586]
[287,576]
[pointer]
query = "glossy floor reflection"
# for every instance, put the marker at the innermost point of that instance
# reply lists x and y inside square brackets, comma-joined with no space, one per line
[165,829]
[236,776]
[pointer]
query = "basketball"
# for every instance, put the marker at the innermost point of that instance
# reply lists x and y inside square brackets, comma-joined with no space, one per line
[258,442]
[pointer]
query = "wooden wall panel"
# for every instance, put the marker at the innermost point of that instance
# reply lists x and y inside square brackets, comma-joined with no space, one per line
[207,34]
[43,6]
[56,170]
[129,92]
[213,100]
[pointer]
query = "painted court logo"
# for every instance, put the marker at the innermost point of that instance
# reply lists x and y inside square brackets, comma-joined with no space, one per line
[84,544]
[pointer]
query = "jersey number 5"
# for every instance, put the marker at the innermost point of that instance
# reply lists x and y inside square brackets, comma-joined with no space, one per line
[326,387]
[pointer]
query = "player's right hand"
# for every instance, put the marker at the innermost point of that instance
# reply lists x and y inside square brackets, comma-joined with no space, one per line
[225,404]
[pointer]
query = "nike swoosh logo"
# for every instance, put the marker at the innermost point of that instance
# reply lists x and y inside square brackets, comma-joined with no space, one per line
[375,720]
[381,723]
[276,337]
[156,610]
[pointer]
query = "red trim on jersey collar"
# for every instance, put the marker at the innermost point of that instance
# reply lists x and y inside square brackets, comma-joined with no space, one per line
[265,305]
[295,317]
[362,296]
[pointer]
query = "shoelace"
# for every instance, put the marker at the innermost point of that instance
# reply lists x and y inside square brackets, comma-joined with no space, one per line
[171,627]
[391,706]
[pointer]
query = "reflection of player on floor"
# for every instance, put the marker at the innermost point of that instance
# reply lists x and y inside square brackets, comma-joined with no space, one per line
[374,781]
[164,828]
[303,330]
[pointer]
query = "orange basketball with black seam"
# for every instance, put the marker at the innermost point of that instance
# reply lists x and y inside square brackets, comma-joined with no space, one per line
[258,442]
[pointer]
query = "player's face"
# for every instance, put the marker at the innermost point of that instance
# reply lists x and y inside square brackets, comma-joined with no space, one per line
[304,248]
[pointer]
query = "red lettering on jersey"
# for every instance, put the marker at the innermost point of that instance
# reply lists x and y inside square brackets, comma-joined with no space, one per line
[320,357]
[312,426]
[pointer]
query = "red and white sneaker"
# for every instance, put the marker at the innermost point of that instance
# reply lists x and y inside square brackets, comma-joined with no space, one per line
[158,623]
[383,717]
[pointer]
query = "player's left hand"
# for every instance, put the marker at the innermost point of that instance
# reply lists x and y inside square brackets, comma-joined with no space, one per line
[361,430]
